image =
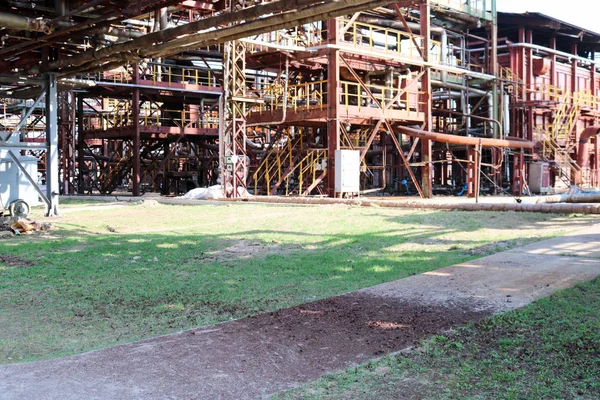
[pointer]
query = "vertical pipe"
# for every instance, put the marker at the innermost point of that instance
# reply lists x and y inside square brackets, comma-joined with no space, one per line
[444,54]
[52,184]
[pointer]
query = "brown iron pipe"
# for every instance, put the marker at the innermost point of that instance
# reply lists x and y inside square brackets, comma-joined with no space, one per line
[583,155]
[465,140]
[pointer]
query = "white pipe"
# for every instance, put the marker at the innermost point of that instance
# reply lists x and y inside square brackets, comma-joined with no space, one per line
[557,52]
[444,54]
[506,117]
[277,46]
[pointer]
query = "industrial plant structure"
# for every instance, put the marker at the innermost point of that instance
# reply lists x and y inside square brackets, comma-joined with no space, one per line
[295,98]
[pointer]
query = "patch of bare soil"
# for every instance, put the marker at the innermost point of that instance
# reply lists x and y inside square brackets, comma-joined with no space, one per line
[357,325]
[245,249]
[15,261]
[249,358]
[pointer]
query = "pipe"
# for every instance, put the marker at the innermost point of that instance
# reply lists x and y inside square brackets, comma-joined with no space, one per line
[476,92]
[571,198]
[551,51]
[506,114]
[582,151]
[465,140]
[444,54]
[12,21]
[494,121]
[522,207]
[395,24]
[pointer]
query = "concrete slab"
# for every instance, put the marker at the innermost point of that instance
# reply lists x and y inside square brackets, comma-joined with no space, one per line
[204,363]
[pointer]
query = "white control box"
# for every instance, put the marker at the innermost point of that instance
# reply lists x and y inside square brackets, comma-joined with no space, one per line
[347,171]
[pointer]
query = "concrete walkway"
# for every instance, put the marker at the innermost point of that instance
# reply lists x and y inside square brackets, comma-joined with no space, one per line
[204,363]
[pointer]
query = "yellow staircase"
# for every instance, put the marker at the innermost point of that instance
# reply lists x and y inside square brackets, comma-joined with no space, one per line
[558,138]
[291,166]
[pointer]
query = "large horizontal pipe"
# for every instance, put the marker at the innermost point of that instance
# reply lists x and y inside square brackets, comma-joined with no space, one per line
[465,140]
[571,198]
[12,21]
[542,208]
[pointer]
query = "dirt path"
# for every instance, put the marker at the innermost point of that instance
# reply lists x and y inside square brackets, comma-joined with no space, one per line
[258,356]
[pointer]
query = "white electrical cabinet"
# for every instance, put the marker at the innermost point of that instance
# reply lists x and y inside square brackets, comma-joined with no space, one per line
[347,171]
[539,177]
[13,183]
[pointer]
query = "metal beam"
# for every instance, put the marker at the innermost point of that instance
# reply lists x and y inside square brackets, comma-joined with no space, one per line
[52,184]
[27,114]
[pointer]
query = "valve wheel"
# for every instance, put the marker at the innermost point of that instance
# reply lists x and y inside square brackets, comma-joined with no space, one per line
[19,209]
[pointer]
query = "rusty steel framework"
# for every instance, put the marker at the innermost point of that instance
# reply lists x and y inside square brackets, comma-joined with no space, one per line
[437,96]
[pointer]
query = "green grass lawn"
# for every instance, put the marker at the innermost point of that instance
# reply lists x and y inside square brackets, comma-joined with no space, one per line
[112,275]
[547,350]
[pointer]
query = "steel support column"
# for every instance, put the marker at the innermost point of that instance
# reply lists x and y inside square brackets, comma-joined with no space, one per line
[66,141]
[553,62]
[518,174]
[233,157]
[333,96]
[426,156]
[574,85]
[52,183]
[81,166]
[494,67]
[135,116]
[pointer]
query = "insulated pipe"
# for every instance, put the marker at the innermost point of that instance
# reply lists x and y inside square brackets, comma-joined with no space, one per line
[541,208]
[582,151]
[551,51]
[571,198]
[444,54]
[107,30]
[12,21]
[397,24]
[464,140]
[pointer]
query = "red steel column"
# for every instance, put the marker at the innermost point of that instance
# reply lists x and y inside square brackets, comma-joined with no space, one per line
[81,166]
[530,86]
[574,85]
[333,104]
[135,116]
[553,62]
[426,172]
